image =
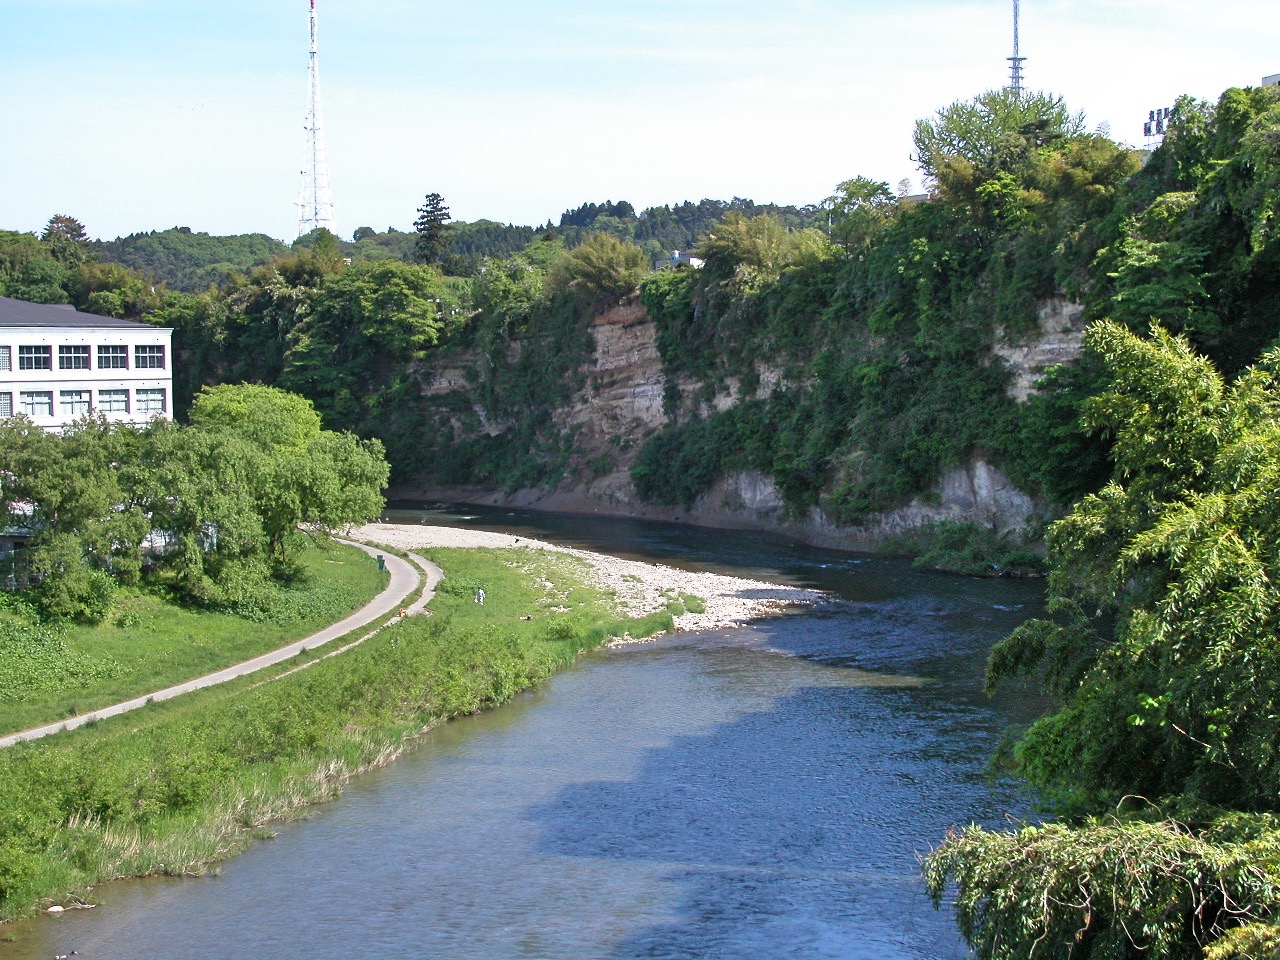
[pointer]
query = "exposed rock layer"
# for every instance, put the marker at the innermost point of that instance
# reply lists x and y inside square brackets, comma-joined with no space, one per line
[623,404]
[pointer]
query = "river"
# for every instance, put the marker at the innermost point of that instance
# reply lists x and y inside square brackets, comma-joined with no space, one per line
[762,792]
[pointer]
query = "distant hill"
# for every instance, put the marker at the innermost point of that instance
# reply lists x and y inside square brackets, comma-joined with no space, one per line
[657,230]
[186,260]
[192,262]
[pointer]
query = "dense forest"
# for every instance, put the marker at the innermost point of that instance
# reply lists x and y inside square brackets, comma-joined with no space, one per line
[878,314]
[192,262]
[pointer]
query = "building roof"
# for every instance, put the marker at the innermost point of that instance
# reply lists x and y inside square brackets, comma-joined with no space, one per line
[20,313]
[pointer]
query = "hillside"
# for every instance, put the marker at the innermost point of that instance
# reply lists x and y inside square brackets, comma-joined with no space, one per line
[187,260]
[190,261]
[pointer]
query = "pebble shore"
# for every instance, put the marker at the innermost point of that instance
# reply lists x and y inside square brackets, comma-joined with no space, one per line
[639,588]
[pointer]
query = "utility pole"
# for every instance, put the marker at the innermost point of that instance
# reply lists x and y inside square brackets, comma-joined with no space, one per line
[315,203]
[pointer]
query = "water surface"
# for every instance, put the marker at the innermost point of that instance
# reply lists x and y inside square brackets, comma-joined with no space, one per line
[760,792]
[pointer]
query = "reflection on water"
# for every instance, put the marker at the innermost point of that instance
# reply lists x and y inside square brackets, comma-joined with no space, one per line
[761,792]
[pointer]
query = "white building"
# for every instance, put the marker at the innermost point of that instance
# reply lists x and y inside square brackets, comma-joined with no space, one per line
[678,258]
[57,364]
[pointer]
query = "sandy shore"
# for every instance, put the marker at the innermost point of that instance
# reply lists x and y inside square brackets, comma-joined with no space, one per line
[640,588]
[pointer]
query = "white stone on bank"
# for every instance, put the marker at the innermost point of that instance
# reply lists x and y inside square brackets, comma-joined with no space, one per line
[639,588]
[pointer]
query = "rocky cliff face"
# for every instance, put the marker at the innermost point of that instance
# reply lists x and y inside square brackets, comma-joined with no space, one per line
[1057,339]
[624,402]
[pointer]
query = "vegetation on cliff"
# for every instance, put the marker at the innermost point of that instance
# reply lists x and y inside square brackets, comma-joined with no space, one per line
[1160,645]
[884,335]
[848,346]
[884,329]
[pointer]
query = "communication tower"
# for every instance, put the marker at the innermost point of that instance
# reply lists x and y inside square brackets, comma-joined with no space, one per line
[315,203]
[1016,61]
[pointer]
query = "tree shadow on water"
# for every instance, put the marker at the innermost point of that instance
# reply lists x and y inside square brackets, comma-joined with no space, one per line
[793,831]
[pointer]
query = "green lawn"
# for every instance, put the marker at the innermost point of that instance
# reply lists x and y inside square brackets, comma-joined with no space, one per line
[148,643]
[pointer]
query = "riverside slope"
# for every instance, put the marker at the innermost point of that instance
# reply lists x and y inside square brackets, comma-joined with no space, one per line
[638,589]
[405,578]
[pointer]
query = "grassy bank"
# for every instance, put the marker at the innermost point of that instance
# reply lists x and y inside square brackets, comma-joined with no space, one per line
[178,785]
[150,643]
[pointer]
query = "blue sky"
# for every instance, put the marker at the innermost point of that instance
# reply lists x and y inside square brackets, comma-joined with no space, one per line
[145,114]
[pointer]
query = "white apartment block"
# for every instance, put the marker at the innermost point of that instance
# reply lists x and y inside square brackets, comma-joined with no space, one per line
[57,364]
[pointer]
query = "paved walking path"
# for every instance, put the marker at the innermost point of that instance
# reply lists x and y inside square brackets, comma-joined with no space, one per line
[405,578]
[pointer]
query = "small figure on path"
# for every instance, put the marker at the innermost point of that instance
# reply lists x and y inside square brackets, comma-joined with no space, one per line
[480,595]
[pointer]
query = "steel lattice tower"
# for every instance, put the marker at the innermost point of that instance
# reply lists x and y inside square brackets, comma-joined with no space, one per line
[315,203]
[1016,61]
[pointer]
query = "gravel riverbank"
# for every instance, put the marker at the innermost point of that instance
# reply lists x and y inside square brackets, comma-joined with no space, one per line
[640,588]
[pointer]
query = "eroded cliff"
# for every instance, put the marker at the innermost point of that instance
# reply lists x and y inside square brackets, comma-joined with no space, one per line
[626,396]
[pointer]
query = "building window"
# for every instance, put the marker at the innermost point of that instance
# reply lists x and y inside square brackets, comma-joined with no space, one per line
[113,401]
[6,358]
[73,358]
[35,358]
[113,358]
[6,404]
[149,401]
[148,357]
[73,403]
[37,403]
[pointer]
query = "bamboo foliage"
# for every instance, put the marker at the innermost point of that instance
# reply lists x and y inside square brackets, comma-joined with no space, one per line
[1163,646]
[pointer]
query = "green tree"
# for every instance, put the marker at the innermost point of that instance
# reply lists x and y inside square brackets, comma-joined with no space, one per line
[505,291]
[199,489]
[66,488]
[999,131]
[433,229]
[267,416]
[859,209]
[300,475]
[252,319]
[67,240]
[1193,240]
[42,280]
[28,270]
[757,248]
[598,272]
[323,247]
[1178,551]
[1163,650]
[110,290]
[358,329]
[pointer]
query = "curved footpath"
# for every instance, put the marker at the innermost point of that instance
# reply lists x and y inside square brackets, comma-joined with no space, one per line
[405,578]
[638,588]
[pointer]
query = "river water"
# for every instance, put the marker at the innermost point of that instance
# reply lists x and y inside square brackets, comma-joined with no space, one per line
[762,792]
